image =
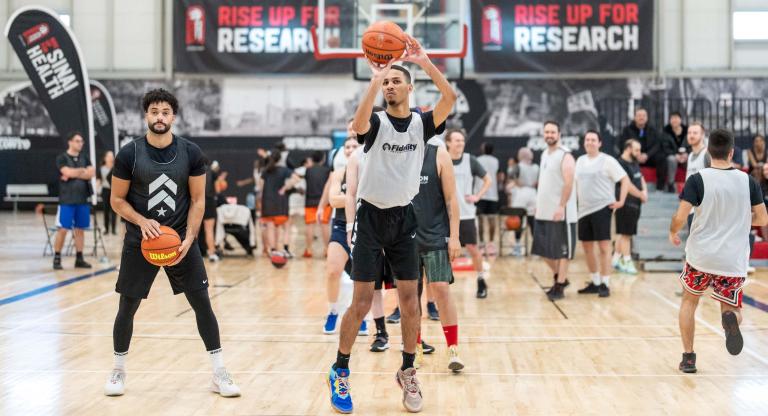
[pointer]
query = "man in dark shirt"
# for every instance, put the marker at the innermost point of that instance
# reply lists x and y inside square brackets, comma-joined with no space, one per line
[651,144]
[74,189]
[628,216]
[159,179]
[676,147]
[316,177]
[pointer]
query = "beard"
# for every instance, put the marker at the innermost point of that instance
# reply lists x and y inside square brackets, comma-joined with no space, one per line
[550,141]
[161,130]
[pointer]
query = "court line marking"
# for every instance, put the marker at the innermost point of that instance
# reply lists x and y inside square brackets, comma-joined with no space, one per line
[27,279]
[53,286]
[379,373]
[749,300]
[58,312]
[538,283]
[305,323]
[757,282]
[709,326]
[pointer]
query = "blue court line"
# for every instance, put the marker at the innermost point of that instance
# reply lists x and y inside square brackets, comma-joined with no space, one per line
[41,290]
[754,302]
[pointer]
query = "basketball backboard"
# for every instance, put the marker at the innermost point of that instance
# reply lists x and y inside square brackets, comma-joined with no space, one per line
[439,25]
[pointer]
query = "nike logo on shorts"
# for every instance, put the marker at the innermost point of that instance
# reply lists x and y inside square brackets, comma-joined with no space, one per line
[205,281]
[414,235]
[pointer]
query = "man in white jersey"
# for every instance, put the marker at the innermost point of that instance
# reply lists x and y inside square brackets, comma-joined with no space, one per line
[554,236]
[466,169]
[596,178]
[394,142]
[698,159]
[488,205]
[727,203]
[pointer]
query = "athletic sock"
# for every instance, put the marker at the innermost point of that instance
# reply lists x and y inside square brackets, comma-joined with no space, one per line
[616,256]
[408,360]
[627,258]
[451,333]
[481,275]
[606,280]
[596,279]
[217,359]
[418,338]
[57,254]
[333,309]
[120,360]
[79,255]
[342,360]
[381,326]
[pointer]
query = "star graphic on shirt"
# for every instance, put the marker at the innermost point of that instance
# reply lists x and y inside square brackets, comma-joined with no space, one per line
[161,212]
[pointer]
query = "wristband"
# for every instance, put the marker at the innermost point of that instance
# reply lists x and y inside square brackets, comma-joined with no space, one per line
[350,227]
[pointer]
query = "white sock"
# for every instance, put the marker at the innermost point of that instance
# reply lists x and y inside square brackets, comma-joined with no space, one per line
[120,360]
[616,256]
[333,309]
[596,279]
[217,359]
[606,280]
[627,258]
[481,275]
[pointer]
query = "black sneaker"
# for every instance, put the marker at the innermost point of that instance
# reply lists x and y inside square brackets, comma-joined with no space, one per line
[554,280]
[395,317]
[603,291]
[57,263]
[556,292]
[482,288]
[432,311]
[82,264]
[380,343]
[426,348]
[590,289]
[688,365]
[733,339]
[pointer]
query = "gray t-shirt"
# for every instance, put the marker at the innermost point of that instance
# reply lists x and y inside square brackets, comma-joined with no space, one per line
[491,166]
[596,179]
[528,175]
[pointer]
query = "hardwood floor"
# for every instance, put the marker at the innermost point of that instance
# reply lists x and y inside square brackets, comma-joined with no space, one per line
[524,355]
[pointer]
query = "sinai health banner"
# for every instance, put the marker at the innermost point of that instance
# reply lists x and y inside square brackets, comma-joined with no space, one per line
[251,37]
[554,36]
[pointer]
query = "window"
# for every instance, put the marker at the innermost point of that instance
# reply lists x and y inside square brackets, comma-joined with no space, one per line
[750,25]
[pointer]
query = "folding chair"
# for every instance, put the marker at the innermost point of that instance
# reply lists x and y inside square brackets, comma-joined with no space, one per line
[52,229]
[509,212]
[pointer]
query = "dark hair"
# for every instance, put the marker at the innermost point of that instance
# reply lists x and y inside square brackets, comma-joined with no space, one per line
[487,148]
[318,156]
[159,95]
[595,132]
[272,160]
[720,144]
[280,147]
[554,123]
[638,109]
[630,142]
[675,113]
[404,71]
[71,135]
[449,132]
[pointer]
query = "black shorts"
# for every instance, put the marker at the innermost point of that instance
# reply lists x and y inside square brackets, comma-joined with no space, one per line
[137,275]
[379,232]
[596,226]
[487,207]
[467,232]
[210,208]
[385,279]
[626,220]
[554,239]
[339,236]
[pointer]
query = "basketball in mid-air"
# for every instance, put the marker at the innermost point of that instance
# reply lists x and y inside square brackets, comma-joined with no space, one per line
[383,41]
[163,250]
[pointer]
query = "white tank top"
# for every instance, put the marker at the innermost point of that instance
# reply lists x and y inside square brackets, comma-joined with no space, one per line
[719,239]
[551,187]
[464,181]
[391,175]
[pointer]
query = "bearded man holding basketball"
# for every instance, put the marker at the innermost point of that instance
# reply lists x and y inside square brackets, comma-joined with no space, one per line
[385,224]
[159,179]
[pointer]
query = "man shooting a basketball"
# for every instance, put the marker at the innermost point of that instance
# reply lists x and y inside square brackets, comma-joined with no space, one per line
[394,144]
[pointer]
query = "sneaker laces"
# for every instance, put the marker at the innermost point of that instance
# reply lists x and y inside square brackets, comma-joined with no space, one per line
[224,377]
[341,385]
[116,376]
[411,384]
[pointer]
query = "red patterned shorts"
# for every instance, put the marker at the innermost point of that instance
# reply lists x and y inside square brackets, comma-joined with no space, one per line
[726,289]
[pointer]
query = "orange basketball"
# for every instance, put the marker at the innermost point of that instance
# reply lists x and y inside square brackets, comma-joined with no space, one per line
[163,250]
[383,42]
[513,223]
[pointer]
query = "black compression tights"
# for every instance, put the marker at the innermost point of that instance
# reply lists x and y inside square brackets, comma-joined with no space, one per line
[207,325]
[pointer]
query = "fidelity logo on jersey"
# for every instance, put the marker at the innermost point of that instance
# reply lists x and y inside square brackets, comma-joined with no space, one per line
[394,148]
[162,181]
[195,28]
[49,61]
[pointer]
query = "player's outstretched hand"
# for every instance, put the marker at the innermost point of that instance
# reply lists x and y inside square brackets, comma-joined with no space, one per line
[379,70]
[149,229]
[183,250]
[414,52]
[674,239]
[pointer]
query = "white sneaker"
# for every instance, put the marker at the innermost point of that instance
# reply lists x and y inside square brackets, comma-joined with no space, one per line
[223,384]
[750,269]
[115,385]
[213,258]
[454,362]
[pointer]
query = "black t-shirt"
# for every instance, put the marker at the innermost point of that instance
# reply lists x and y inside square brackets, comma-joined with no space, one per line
[126,159]
[475,166]
[400,125]
[272,203]
[636,177]
[73,191]
[693,191]
[316,178]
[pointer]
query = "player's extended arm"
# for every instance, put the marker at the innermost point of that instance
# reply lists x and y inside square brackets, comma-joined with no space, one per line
[362,122]
[485,187]
[759,216]
[444,105]
[336,198]
[324,199]
[448,183]
[678,220]
[149,228]
[351,202]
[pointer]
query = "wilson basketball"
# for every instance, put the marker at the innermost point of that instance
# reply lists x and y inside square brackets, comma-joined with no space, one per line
[278,261]
[383,42]
[163,250]
[513,223]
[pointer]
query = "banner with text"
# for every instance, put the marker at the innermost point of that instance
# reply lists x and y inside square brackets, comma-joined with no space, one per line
[242,36]
[562,37]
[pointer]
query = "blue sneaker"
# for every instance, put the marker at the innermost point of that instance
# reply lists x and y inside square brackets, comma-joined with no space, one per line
[338,382]
[395,317]
[363,329]
[330,323]
[432,311]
